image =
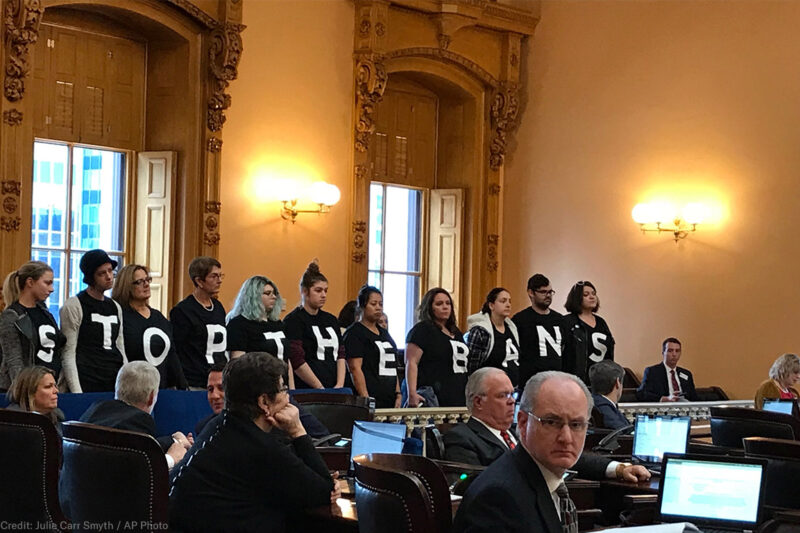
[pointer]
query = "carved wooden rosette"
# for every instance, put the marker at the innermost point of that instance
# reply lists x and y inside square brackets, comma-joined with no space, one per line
[10,220]
[504,112]
[12,117]
[359,241]
[371,81]
[211,223]
[21,23]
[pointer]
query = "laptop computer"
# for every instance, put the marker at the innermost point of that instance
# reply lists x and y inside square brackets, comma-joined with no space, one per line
[787,407]
[716,493]
[376,437]
[656,435]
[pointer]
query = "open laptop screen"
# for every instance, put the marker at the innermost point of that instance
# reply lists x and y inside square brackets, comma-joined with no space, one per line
[722,492]
[779,406]
[655,436]
[376,437]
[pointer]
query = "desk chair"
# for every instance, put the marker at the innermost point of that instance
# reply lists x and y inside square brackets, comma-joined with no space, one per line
[336,411]
[29,460]
[630,380]
[398,493]
[729,425]
[113,475]
[783,469]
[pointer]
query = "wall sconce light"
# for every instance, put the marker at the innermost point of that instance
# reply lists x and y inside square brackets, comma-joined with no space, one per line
[323,194]
[664,217]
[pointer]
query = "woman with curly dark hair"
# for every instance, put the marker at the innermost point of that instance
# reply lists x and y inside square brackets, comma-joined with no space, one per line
[436,356]
[587,337]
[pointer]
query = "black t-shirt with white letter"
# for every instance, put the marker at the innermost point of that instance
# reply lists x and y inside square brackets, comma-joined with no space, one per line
[541,339]
[200,338]
[585,345]
[443,364]
[378,354]
[504,354]
[47,339]
[97,356]
[314,340]
[245,335]
[150,339]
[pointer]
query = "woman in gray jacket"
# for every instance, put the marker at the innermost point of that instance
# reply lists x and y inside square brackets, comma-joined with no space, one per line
[29,334]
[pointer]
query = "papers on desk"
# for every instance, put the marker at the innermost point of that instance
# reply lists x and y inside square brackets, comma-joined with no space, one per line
[679,527]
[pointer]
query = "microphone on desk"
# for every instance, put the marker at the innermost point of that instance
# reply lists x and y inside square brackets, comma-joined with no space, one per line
[610,443]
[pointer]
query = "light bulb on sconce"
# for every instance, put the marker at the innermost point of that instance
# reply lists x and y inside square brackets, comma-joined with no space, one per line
[323,194]
[665,217]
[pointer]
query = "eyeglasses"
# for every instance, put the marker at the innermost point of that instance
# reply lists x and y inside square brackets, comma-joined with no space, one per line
[284,389]
[216,276]
[544,292]
[556,424]
[500,395]
[142,281]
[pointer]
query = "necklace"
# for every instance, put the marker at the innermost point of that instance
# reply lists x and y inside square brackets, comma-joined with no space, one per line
[209,308]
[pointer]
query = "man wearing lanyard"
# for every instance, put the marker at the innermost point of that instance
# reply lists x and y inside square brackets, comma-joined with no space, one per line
[667,382]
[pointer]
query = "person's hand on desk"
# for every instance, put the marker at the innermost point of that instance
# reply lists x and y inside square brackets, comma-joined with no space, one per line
[336,493]
[632,473]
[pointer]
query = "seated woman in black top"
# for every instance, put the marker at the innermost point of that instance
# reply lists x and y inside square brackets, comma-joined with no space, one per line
[35,390]
[492,337]
[436,356]
[315,342]
[371,352]
[29,334]
[587,338]
[147,332]
[238,476]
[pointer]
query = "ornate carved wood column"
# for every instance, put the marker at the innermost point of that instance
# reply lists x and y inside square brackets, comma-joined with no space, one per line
[370,82]
[20,30]
[224,52]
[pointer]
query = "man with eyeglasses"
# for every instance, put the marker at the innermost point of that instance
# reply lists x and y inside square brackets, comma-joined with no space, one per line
[540,334]
[92,324]
[198,323]
[523,490]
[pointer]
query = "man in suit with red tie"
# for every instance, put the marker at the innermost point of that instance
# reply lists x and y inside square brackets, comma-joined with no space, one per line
[667,382]
[523,490]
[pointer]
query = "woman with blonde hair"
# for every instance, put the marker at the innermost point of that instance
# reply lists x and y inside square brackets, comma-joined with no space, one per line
[782,383]
[35,390]
[29,334]
[147,333]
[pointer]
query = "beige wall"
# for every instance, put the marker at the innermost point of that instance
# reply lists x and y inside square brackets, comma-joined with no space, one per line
[635,99]
[291,116]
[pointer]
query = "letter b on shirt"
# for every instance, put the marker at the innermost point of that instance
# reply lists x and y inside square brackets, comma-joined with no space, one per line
[460,352]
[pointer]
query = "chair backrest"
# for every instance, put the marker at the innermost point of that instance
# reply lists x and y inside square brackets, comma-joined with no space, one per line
[380,479]
[711,394]
[729,425]
[783,469]
[434,443]
[336,411]
[113,475]
[630,380]
[628,396]
[29,460]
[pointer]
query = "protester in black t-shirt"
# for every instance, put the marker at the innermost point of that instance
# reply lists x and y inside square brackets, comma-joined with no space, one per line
[587,338]
[539,328]
[29,334]
[372,353]
[315,344]
[148,334]
[92,322]
[436,356]
[492,337]
[254,324]
[198,323]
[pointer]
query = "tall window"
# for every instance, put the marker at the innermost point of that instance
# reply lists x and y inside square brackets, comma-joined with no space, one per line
[78,205]
[395,249]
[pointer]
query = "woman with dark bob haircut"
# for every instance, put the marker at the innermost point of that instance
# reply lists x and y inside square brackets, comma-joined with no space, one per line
[436,356]
[587,337]
[240,476]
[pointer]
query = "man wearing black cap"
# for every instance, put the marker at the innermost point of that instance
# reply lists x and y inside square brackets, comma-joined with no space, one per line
[92,322]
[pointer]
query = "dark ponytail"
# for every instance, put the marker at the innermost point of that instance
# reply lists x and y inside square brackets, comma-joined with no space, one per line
[491,298]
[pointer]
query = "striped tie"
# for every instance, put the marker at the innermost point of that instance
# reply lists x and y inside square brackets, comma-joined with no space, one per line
[507,439]
[569,515]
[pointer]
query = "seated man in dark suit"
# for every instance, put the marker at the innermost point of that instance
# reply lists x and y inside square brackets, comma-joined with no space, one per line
[216,395]
[666,381]
[606,379]
[523,489]
[135,393]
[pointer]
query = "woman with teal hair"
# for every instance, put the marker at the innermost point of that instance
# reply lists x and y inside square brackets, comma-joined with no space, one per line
[254,324]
